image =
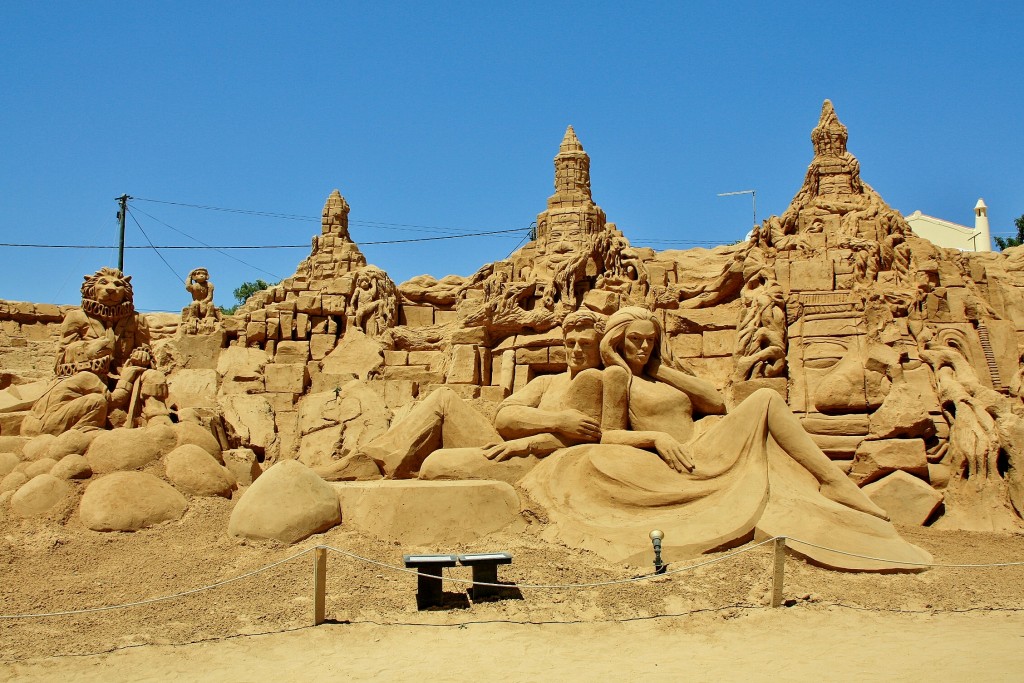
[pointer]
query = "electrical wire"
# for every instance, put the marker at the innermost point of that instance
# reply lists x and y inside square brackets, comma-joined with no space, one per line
[154,246]
[217,249]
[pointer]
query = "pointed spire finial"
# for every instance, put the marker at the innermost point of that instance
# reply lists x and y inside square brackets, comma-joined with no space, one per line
[830,135]
[570,143]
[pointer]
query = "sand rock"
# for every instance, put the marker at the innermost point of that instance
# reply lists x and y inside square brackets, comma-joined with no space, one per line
[470,463]
[13,481]
[38,446]
[906,499]
[196,434]
[122,449]
[193,470]
[8,461]
[192,388]
[71,441]
[13,444]
[287,503]
[241,370]
[356,466]
[18,397]
[251,417]
[903,413]
[39,495]
[5,498]
[875,459]
[332,424]
[42,466]
[427,512]
[355,353]
[165,436]
[129,501]
[72,466]
[243,465]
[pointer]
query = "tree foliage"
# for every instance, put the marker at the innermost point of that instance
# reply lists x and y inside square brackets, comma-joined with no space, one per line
[243,292]
[1007,242]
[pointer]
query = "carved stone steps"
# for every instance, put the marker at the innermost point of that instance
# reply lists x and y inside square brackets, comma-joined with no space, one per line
[990,358]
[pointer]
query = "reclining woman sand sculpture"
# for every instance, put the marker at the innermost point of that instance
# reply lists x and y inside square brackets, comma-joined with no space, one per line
[754,472]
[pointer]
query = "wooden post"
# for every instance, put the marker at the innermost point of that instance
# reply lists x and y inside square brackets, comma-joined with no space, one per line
[779,571]
[319,584]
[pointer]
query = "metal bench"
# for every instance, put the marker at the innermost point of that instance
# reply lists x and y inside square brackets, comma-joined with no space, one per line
[428,584]
[485,570]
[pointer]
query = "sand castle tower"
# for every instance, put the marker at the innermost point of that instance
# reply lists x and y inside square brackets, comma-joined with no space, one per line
[571,209]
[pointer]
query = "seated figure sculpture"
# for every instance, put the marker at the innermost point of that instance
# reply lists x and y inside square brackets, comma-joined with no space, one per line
[708,483]
[104,373]
[201,314]
[549,413]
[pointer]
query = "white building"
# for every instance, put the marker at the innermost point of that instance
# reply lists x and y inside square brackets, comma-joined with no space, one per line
[946,234]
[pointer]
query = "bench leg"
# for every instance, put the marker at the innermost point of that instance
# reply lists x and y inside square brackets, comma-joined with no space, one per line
[428,586]
[484,573]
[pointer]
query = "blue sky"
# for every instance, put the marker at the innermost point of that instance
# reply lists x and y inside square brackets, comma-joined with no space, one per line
[447,115]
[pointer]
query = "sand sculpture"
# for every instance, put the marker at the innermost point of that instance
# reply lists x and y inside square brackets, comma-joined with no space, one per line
[830,374]
[201,316]
[104,367]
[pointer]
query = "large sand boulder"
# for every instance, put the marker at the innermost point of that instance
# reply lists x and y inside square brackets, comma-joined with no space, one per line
[196,434]
[72,466]
[8,461]
[41,466]
[38,446]
[13,481]
[123,449]
[71,441]
[287,503]
[195,471]
[13,444]
[129,501]
[39,495]
[904,497]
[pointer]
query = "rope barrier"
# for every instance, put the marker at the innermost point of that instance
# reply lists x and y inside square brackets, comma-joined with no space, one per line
[597,584]
[567,586]
[159,599]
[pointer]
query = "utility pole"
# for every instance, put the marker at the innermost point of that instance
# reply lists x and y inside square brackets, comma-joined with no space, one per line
[121,213]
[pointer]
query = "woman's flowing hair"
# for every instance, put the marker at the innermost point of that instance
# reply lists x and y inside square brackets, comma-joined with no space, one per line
[614,337]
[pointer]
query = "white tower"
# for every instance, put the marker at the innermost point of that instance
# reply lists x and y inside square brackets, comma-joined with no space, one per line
[983,240]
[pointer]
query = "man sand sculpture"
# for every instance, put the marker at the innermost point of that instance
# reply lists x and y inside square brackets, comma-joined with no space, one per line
[549,413]
[104,373]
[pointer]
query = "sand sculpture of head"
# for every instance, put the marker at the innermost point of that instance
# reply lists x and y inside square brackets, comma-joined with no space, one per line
[582,332]
[107,294]
[634,339]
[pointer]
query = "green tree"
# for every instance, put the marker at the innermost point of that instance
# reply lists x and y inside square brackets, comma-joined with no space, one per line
[243,292]
[1007,242]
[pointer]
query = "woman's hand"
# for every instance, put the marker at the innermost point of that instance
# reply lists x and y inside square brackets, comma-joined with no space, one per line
[673,453]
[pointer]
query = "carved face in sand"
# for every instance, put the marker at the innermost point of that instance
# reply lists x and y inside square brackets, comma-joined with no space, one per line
[108,286]
[582,349]
[561,244]
[639,343]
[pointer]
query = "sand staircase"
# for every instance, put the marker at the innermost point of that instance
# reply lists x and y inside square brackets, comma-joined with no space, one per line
[990,358]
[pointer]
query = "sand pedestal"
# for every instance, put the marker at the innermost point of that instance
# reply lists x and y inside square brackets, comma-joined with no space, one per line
[427,512]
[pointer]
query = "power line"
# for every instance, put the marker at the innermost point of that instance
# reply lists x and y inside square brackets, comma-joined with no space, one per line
[297,217]
[217,249]
[252,246]
[154,247]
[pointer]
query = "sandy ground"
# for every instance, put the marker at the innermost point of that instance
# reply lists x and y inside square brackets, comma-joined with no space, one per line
[708,623]
[800,643]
